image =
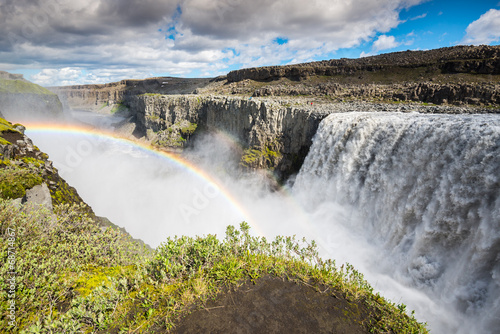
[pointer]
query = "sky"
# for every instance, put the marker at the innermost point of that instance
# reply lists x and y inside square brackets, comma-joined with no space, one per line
[67,42]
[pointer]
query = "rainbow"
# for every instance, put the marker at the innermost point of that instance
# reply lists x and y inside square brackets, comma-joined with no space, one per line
[148,149]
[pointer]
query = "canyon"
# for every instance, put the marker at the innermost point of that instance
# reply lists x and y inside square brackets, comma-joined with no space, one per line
[274,112]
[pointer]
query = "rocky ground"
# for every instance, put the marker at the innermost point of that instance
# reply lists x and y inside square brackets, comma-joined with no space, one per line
[275,305]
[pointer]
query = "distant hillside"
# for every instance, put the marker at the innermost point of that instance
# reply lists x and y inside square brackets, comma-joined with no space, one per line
[483,60]
[21,99]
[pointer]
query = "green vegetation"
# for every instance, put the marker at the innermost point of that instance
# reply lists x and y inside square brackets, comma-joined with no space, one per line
[15,180]
[75,277]
[174,136]
[55,254]
[150,94]
[6,127]
[253,156]
[153,118]
[21,86]
[189,129]
[119,107]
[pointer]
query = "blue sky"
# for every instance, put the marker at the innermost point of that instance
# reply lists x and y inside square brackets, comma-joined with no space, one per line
[63,42]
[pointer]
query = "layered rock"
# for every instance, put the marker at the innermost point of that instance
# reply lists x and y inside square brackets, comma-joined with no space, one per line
[103,97]
[427,92]
[459,59]
[278,135]
[274,133]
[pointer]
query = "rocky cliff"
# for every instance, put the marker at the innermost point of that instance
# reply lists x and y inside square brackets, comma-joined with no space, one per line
[273,133]
[459,59]
[23,166]
[21,99]
[102,98]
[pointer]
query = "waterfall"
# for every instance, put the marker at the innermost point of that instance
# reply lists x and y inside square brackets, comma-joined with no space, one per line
[427,191]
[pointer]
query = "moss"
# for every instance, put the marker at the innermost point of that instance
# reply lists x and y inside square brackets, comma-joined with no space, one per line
[253,156]
[62,193]
[118,108]
[33,162]
[189,129]
[6,126]
[22,87]
[94,277]
[15,180]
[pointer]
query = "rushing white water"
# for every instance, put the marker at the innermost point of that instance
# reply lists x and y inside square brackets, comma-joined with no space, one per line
[426,192]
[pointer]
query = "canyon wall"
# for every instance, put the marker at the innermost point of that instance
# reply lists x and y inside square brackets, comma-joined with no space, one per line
[98,97]
[270,134]
[273,134]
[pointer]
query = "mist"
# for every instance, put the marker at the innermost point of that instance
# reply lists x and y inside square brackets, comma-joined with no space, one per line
[154,198]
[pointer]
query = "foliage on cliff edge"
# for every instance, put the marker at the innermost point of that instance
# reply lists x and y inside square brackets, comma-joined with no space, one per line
[72,276]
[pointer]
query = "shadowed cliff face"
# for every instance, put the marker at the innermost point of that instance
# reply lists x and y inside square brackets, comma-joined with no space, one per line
[270,135]
[273,134]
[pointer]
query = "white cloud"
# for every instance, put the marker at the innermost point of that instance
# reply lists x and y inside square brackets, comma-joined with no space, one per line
[65,76]
[485,30]
[418,17]
[133,35]
[385,42]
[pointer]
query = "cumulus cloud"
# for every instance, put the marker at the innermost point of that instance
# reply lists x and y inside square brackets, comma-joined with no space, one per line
[485,30]
[385,42]
[184,37]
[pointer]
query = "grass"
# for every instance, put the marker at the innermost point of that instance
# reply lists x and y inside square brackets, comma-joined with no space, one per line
[151,94]
[5,127]
[189,129]
[21,86]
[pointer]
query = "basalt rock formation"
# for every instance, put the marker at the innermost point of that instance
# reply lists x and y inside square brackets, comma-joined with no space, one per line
[99,97]
[460,59]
